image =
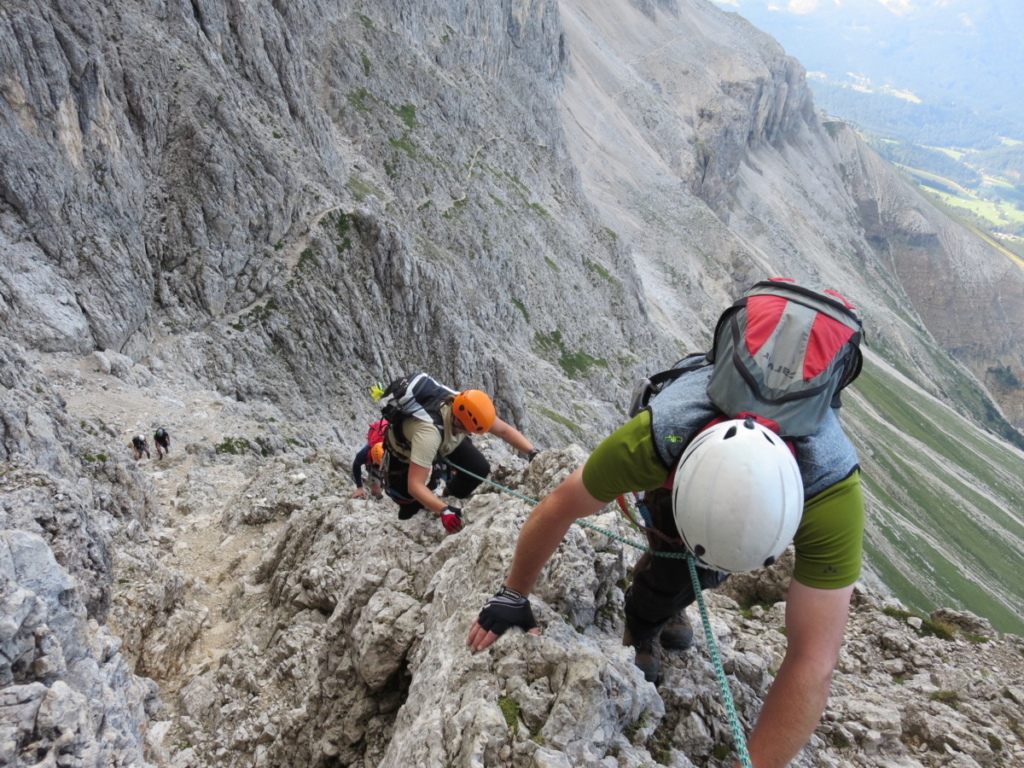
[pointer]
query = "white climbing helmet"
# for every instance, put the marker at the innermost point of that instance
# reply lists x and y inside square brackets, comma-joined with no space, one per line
[738,496]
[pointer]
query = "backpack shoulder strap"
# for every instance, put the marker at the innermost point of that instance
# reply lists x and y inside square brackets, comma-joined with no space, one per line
[645,389]
[689,363]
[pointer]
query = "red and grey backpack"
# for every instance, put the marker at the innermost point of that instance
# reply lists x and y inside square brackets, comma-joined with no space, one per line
[375,434]
[782,354]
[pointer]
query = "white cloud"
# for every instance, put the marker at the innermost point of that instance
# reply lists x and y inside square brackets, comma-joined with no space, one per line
[803,6]
[899,7]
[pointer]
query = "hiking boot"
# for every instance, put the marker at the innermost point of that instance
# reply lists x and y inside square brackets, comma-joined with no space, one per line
[677,634]
[648,655]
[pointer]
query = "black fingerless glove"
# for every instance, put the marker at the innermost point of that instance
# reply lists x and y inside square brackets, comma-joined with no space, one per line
[533,454]
[506,609]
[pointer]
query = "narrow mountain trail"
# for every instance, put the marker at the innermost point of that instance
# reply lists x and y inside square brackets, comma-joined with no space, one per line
[292,257]
[192,489]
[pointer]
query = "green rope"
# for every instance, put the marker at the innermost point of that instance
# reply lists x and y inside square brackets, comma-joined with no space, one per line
[738,738]
[581,522]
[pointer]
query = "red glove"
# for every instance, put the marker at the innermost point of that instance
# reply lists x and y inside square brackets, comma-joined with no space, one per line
[451,519]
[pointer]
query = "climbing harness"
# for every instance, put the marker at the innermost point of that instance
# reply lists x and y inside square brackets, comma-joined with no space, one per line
[739,740]
[648,525]
[397,497]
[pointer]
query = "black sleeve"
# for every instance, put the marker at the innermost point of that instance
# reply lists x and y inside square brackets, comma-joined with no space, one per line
[357,465]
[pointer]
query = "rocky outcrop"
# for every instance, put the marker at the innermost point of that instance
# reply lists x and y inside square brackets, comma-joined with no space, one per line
[67,695]
[57,483]
[231,218]
[357,655]
[68,503]
[286,624]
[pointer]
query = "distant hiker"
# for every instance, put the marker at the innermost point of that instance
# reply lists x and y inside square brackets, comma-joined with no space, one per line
[162,440]
[725,488]
[427,443]
[370,458]
[140,446]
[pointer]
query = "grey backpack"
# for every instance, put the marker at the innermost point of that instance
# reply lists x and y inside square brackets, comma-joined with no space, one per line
[782,354]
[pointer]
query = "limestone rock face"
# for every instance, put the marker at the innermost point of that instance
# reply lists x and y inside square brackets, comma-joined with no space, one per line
[230,219]
[285,204]
[67,694]
[269,198]
[357,656]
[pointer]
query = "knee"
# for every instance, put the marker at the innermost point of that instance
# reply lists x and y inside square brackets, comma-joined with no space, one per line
[479,467]
[463,490]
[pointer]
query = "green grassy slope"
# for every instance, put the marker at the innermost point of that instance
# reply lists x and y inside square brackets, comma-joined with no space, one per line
[945,515]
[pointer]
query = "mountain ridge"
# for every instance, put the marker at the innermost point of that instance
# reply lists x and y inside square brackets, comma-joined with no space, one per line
[949,54]
[235,218]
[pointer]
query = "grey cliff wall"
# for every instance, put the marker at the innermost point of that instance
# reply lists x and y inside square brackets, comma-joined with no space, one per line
[303,190]
[199,187]
[231,218]
[696,139]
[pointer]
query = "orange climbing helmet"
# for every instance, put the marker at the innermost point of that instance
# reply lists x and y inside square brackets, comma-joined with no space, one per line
[377,453]
[474,410]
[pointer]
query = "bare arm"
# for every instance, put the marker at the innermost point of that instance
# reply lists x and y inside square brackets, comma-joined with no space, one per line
[815,622]
[511,435]
[541,534]
[417,483]
[546,527]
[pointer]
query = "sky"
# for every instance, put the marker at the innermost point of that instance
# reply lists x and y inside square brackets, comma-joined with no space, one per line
[964,52]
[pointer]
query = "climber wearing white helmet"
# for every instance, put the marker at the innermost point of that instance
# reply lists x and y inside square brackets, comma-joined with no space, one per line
[737,498]
[140,447]
[735,495]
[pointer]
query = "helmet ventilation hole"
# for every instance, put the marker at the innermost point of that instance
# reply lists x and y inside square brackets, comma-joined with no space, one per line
[730,433]
[699,551]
